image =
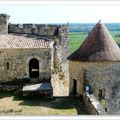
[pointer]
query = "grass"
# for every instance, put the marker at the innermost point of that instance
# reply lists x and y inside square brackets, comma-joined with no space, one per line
[11,104]
[77,38]
[117,39]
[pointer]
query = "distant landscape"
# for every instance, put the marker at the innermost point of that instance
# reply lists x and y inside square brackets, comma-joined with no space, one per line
[79,31]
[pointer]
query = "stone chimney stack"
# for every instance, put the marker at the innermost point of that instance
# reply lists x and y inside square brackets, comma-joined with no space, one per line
[4,18]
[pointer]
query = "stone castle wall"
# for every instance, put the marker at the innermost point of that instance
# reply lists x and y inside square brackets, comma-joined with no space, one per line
[58,34]
[38,29]
[60,73]
[18,60]
[103,76]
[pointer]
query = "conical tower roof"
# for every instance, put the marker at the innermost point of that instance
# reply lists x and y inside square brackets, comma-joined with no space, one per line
[98,46]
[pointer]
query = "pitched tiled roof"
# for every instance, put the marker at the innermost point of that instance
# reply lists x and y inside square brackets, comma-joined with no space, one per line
[14,41]
[98,46]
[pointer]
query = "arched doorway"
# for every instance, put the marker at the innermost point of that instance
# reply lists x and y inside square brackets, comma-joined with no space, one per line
[34,68]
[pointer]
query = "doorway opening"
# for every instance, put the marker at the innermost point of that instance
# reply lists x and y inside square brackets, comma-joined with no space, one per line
[34,68]
[74,91]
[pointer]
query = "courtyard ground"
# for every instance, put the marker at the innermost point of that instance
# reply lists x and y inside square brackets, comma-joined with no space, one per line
[11,104]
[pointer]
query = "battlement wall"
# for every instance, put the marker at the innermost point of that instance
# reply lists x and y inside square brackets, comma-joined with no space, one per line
[38,29]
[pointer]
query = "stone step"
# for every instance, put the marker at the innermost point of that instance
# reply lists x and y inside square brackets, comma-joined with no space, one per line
[34,80]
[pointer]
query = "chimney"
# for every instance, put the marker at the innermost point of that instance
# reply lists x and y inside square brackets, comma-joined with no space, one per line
[4,23]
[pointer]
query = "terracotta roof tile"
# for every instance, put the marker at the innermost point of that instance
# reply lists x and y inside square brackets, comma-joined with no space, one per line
[12,41]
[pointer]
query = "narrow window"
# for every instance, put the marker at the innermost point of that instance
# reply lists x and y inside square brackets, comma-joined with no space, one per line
[101,94]
[7,65]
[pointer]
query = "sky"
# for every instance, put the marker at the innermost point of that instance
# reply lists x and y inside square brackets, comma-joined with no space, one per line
[61,13]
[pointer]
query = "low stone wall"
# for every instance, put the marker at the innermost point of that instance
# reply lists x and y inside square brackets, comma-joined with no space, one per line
[93,105]
[16,88]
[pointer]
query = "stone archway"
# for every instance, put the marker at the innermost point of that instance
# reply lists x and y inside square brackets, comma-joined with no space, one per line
[34,68]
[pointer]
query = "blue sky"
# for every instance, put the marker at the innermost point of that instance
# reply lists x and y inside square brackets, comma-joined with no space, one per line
[47,13]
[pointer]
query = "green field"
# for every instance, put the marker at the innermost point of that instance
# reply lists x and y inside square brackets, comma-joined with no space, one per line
[77,38]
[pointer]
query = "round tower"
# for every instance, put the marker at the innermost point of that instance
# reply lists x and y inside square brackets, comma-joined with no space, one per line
[96,63]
